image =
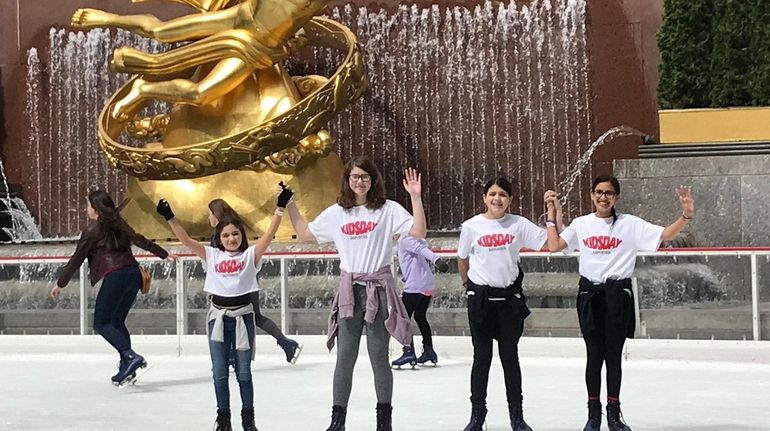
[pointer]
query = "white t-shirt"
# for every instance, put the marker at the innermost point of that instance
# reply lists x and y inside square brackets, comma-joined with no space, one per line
[608,250]
[363,237]
[493,247]
[231,273]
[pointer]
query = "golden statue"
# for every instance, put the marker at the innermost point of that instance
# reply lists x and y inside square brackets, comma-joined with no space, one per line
[235,107]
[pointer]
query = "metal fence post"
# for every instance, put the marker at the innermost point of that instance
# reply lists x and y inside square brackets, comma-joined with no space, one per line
[83,299]
[755,298]
[637,312]
[181,305]
[284,296]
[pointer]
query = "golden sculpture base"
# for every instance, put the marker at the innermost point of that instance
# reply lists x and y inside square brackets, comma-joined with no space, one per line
[251,194]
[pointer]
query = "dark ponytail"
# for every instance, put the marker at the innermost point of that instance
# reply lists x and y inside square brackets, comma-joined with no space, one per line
[114,231]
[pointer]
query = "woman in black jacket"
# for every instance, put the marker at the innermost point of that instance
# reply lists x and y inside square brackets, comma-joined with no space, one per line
[106,243]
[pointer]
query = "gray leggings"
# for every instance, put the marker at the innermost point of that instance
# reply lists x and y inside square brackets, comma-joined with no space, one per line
[377,339]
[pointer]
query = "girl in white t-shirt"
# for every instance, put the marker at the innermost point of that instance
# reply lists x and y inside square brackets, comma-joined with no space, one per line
[607,242]
[231,278]
[361,225]
[488,262]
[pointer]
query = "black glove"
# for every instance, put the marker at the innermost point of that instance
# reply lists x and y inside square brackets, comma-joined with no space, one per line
[441,265]
[285,196]
[164,209]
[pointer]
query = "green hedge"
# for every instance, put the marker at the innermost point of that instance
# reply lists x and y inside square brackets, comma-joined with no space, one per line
[715,53]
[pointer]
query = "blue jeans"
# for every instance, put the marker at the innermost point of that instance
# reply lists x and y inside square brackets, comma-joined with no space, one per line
[113,302]
[220,351]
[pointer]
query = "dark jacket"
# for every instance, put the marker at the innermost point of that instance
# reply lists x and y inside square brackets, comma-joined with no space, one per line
[619,298]
[102,259]
[478,298]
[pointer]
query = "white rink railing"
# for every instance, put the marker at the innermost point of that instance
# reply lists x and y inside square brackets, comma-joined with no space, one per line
[282,257]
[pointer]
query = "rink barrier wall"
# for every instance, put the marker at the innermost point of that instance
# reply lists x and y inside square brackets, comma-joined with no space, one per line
[183,316]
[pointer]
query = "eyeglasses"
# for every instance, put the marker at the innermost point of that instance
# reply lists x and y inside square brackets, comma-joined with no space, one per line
[356,177]
[607,194]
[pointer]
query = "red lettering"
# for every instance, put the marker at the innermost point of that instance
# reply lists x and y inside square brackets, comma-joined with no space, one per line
[495,240]
[602,242]
[358,228]
[229,267]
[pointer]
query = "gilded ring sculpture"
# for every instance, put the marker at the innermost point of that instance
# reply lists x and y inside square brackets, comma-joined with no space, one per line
[254,146]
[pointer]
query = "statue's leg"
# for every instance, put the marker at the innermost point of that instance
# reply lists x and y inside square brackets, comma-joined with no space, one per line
[223,78]
[189,27]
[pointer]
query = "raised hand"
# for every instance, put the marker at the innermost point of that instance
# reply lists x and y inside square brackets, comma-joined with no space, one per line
[686,200]
[412,182]
[164,209]
[441,265]
[285,195]
[552,199]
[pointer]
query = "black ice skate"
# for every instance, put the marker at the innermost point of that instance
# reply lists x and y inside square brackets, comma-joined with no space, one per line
[338,419]
[384,417]
[291,348]
[223,421]
[114,378]
[615,418]
[407,358]
[428,355]
[594,416]
[517,418]
[134,366]
[247,419]
[478,416]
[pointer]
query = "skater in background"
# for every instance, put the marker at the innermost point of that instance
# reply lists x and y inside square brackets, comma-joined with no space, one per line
[608,242]
[419,285]
[488,263]
[221,210]
[362,224]
[231,278]
[106,243]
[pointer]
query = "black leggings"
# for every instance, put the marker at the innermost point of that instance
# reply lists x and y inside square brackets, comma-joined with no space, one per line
[503,322]
[113,302]
[263,322]
[417,304]
[603,346]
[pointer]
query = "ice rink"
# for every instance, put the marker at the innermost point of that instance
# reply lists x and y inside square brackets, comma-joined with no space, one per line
[62,383]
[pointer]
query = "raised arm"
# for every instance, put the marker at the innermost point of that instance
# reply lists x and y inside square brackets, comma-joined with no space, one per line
[688,212]
[554,223]
[413,185]
[195,247]
[264,241]
[297,221]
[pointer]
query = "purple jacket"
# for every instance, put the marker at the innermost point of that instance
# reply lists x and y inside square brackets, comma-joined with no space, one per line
[397,322]
[413,257]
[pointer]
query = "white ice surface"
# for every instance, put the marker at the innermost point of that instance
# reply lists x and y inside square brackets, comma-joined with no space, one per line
[62,383]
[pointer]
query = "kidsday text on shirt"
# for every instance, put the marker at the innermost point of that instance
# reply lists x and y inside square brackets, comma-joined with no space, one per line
[602,243]
[231,266]
[495,240]
[358,228]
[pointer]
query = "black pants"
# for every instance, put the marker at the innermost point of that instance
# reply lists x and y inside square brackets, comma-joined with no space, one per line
[504,322]
[417,304]
[113,302]
[604,345]
[263,322]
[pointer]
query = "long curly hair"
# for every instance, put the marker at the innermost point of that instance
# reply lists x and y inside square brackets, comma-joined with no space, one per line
[375,197]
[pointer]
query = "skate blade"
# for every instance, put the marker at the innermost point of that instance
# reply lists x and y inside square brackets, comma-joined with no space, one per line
[131,381]
[296,354]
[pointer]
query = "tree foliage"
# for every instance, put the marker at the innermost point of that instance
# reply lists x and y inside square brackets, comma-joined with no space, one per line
[715,53]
